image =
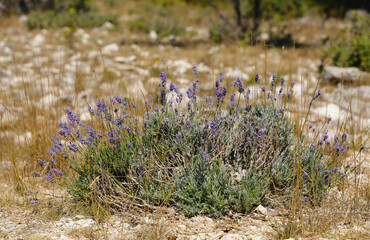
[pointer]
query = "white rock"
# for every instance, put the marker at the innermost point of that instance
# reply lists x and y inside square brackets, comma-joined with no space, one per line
[182,226]
[233,237]
[122,59]
[38,40]
[331,110]
[180,66]
[48,100]
[153,35]
[264,36]
[332,73]
[107,25]
[110,49]
[23,18]
[6,59]
[85,117]
[261,210]
[235,73]
[215,49]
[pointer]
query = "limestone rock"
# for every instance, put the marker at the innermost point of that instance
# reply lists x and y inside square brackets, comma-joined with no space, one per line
[110,49]
[350,74]
[261,210]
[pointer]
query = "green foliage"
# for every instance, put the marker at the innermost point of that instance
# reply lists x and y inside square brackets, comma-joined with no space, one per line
[277,8]
[22,6]
[355,50]
[160,25]
[68,19]
[218,33]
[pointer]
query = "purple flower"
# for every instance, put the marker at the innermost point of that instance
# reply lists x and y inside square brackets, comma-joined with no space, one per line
[42,162]
[282,82]
[317,95]
[232,101]
[205,155]
[293,83]
[195,87]
[163,97]
[305,198]
[195,72]
[65,129]
[36,174]
[190,93]
[91,110]
[189,124]
[213,126]
[248,108]
[248,139]
[71,115]
[273,82]
[329,119]
[256,77]
[119,121]
[238,83]
[280,91]
[221,76]
[163,76]
[129,145]
[247,93]
[362,149]
[260,132]
[73,147]
[58,172]
[172,155]
[263,88]
[219,95]
[133,105]
[49,178]
[156,108]
[101,106]
[256,156]
[118,99]
[313,148]
[52,161]
[328,179]
[125,106]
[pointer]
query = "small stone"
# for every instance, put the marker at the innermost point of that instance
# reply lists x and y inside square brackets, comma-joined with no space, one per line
[261,210]
[107,25]
[122,59]
[38,40]
[110,48]
[153,35]
[182,226]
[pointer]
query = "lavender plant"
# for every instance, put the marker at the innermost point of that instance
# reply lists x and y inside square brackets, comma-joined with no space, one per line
[201,155]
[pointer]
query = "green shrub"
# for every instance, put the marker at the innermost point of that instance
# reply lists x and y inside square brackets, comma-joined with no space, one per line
[68,19]
[353,51]
[205,157]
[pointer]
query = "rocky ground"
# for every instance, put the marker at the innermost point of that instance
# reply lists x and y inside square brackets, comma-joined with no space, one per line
[44,70]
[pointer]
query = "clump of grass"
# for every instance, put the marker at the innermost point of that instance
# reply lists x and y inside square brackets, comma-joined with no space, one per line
[202,155]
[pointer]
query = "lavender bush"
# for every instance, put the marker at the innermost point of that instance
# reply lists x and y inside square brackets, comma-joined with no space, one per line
[202,155]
